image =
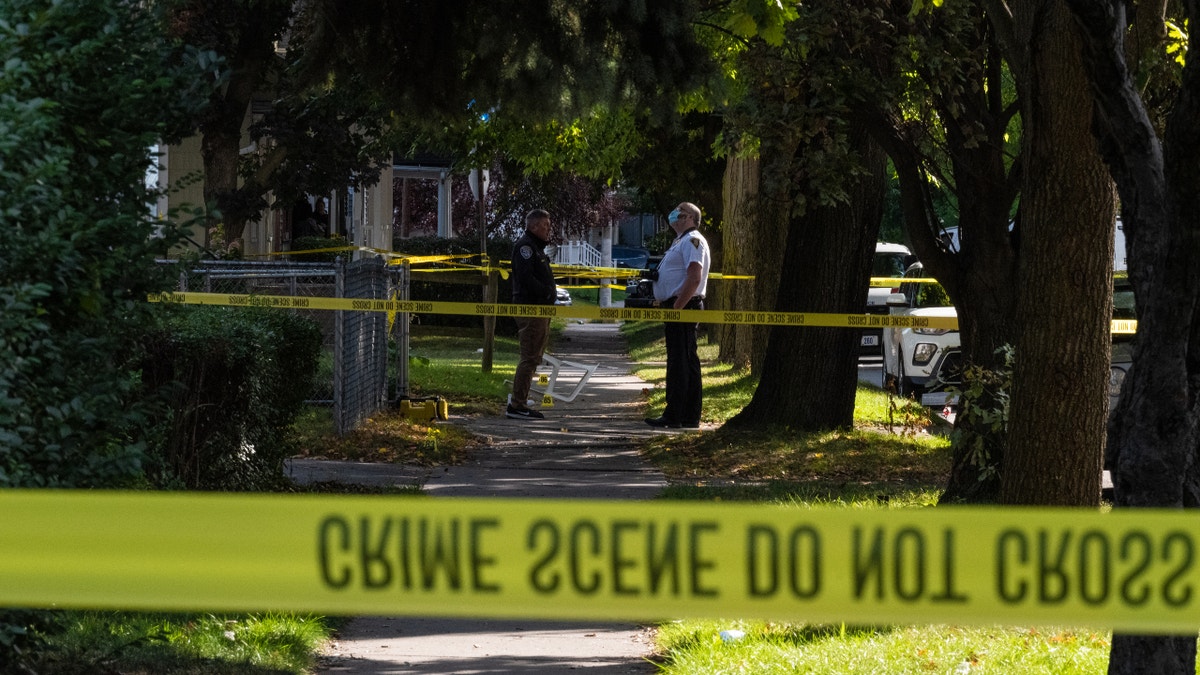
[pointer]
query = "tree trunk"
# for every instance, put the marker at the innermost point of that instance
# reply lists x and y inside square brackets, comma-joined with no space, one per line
[755,229]
[1152,655]
[982,282]
[740,185]
[249,58]
[812,379]
[1059,397]
[1152,442]
[980,276]
[774,205]
[219,150]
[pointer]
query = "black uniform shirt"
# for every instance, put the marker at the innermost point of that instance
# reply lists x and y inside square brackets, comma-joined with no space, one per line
[532,278]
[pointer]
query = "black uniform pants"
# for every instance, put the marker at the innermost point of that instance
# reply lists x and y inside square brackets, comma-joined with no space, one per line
[684,389]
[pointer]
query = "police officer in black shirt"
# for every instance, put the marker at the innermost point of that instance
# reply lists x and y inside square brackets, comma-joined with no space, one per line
[532,284]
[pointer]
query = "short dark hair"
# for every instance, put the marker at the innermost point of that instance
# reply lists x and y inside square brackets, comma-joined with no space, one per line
[692,210]
[536,214]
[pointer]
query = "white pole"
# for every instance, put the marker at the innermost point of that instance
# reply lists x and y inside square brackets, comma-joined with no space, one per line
[606,261]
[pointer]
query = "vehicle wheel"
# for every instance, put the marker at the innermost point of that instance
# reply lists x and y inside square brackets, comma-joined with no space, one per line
[905,386]
[890,383]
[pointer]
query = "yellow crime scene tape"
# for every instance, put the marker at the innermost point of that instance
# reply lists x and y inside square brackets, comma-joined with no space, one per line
[456,263]
[1124,326]
[1133,570]
[896,281]
[811,319]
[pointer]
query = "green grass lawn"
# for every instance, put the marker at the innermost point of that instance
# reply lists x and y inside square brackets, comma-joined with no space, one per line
[448,362]
[133,643]
[775,648]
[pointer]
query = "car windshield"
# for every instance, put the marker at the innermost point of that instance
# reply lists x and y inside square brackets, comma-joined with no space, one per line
[888,265]
[924,294]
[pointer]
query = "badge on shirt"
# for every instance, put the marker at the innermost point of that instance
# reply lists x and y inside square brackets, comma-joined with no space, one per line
[526,252]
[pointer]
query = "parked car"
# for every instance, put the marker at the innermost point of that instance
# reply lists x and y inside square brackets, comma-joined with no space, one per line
[561,296]
[947,377]
[947,373]
[910,354]
[890,260]
[630,256]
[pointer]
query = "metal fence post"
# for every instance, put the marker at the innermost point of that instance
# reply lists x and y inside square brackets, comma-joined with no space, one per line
[402,336]
[339,348]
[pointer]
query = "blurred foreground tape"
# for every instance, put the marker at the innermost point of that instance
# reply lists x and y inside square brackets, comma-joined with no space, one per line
[1133,571]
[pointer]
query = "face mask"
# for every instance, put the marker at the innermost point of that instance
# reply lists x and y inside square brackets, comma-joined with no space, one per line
[673,216]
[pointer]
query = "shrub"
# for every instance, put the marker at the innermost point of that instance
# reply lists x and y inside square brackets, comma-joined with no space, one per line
[231,382]
[88,87]
[317,244]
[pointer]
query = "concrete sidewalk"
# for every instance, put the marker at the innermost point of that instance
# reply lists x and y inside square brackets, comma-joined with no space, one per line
[583,449]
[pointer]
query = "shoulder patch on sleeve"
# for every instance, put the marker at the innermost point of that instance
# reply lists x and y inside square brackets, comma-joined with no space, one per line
[527,252]
[695,242]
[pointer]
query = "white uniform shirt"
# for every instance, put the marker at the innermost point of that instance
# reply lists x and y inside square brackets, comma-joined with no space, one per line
[687,248]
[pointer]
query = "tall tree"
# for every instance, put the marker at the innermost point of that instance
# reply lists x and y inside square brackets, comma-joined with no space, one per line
[950,133]
[88,87]
[1003,279]
[755,229]
[527,61]
[759,210]
[822,179]
[305,137]
[976,123]
[1153,437]
[754,214]
[1059,398]
[820,392]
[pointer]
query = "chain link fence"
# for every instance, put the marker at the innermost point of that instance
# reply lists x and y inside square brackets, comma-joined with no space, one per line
[353,377]
[360,345]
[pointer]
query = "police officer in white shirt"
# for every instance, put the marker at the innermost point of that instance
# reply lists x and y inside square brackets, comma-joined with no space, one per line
[681,284]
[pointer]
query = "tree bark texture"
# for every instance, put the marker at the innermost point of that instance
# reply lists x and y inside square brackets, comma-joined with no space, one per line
[1152,440]
[812,379]
[1059,398]
[219,151]
[740,186]
[774,206]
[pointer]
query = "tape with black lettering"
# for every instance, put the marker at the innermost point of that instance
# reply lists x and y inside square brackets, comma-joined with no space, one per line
[815,319]
[458,262]
[1135,570]
[823,320]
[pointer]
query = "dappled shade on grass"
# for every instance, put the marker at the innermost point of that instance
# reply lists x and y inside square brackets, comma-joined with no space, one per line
[848,456]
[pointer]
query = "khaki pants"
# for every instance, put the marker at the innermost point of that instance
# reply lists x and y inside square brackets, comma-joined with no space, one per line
[532,334]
